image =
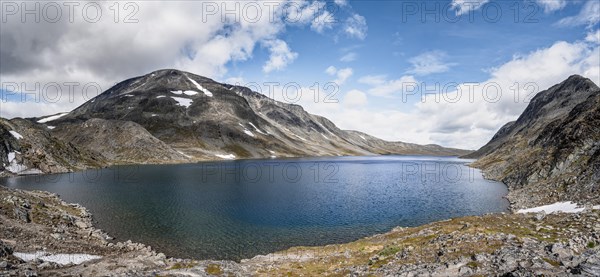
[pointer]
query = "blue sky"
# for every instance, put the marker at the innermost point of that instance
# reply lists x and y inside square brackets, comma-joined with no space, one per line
[371,49]
[391,41]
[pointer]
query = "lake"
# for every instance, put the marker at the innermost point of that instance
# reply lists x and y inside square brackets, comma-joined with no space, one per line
[238,209]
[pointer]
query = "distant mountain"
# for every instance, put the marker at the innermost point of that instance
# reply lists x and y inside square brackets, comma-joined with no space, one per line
[174,116]
[552,151]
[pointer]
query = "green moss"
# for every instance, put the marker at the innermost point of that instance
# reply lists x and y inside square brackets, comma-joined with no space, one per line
[213,269]
[389,250]
[552,262]
[473,264]
[183,265]
[591,244]
[238,150]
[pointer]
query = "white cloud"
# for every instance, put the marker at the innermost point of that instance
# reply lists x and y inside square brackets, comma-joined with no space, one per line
[552,5]
[24,109]
[355,98]
[341,74]
[323,21]
[356,27]
[167,35]
[373,80]
[280,57]
[349,57]
[341,3]
[589,15]
[470,123]
[303,12]
[593,37]
[386,88]
[235,81]
[331,70]
[465,6]
[461,121]
[429,63]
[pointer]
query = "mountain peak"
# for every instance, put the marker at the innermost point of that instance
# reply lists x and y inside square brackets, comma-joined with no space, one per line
[577,83]
[174,73]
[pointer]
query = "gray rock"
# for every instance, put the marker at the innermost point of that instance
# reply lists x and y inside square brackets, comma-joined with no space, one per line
[45,265]
[22,214]
[5,249]
[540,216]
[81,224]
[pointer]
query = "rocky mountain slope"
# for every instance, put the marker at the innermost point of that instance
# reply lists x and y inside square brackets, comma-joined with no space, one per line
[552,151]
[186,117]
[29,148]
[123,141]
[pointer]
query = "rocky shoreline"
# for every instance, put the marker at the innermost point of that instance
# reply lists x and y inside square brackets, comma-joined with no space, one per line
[563,244]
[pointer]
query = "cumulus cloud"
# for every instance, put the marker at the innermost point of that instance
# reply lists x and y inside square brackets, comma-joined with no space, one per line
[341,74]
[589,15]
[181,35]
[280,57]
[465,6]
[469,122]
[429,63]
[355,98]
[454,118]
[356,27]
[552,5]
[165,36]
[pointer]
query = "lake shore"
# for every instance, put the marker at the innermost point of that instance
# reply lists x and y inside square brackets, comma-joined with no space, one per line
[39,223]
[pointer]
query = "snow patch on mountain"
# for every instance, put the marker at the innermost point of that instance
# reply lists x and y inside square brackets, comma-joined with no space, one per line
[16,135]
[52,118]
[201,88]
[255,128]
[183,101]
[226,156]
[62,259]
[186,92]
[564,207]
[13,165]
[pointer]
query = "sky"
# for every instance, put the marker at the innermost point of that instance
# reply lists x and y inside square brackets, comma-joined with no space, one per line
[449,72]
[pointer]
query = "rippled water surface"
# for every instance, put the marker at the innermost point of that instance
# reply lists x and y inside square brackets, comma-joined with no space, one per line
[238,209]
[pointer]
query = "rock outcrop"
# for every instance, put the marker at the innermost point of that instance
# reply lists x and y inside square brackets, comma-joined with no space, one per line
[29,148]
[551,152]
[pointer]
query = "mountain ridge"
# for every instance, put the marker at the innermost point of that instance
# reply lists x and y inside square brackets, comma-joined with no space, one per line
[181,117]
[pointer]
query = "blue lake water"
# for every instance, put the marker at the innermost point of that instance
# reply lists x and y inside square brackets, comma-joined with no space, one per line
[238,209]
